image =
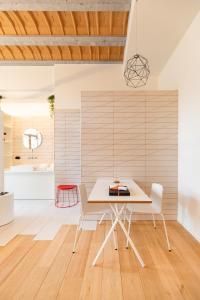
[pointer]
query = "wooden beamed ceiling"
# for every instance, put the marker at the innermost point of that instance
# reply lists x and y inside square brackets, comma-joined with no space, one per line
[95,28]
[63,23]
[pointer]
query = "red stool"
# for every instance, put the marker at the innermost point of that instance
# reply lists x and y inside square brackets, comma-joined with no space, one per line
[66,195]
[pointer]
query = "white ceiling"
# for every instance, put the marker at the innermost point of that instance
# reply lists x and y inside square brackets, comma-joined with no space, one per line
[161,25]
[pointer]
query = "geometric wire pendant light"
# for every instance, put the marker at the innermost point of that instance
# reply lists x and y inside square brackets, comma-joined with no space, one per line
[137,70]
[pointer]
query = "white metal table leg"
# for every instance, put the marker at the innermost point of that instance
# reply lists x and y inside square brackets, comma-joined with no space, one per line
[114,237]
[131,243]
[165,228]
[102,218]
[129,228]
[108,235]
[128,238]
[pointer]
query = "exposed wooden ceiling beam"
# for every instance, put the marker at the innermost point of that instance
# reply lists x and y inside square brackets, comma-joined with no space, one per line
[65,5]
[49,40]
[53,62]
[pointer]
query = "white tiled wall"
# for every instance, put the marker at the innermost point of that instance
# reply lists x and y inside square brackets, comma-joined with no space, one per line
[131,134]
[67,146]
[125,134]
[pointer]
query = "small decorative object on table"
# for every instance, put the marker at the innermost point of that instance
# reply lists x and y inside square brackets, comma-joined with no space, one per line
[118,190]
[117,181]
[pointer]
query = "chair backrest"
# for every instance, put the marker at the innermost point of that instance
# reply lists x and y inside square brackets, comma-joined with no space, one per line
[83,196]
[157,196]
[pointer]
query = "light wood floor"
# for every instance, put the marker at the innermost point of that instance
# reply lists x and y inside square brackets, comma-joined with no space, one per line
[36,269]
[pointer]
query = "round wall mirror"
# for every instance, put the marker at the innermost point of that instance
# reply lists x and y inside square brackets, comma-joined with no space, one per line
[32,138]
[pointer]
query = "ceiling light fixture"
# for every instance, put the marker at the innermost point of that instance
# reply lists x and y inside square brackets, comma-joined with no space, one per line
[137,70]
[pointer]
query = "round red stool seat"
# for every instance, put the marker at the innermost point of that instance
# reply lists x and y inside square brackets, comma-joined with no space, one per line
[66,195]
[66,186]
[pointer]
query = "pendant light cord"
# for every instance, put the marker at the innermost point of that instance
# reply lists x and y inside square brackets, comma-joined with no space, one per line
[136,26]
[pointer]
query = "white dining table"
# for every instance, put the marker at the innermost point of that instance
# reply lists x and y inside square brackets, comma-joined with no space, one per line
[100,195]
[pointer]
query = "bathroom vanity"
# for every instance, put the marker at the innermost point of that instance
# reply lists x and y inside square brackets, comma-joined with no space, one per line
[30,183]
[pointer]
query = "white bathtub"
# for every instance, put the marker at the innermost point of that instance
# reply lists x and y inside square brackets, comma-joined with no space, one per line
[30,182]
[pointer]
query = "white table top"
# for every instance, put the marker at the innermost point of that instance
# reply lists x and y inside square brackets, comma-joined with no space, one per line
[100,192]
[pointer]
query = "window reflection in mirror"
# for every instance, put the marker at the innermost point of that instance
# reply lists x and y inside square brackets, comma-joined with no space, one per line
[32,138]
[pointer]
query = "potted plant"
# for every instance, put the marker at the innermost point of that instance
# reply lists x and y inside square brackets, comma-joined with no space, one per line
[51,100]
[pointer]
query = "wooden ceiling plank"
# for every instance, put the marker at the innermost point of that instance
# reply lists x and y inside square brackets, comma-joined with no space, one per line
[73,22]
[2,53]
[62,40]
[87,22]
[32,52]
[2,31]
[10,51]
[49,50]
[80,51]
[60,52]
[20,50]
[125,22]
[47,22]
[32,17]
[2,57]
[98,53]
[9,20]
[90,51]
[63,5]
[37,53]
[97,21]
[108,53]
[60,22]
[28,62]
[70,52]
[20,23]
[39,50]
[119,52]
[111,22]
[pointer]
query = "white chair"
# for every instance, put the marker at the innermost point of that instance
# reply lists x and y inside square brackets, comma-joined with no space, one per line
[87,210]
[155,208]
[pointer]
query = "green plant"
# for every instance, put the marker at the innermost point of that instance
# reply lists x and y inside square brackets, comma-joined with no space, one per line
[51,100]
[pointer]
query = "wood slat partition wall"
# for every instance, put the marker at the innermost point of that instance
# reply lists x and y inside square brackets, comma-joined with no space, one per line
[145,128]
[67,146]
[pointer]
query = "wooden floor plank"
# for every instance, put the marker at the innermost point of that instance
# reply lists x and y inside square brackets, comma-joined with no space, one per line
[92,287]
[35,278]
[10,262]
[44,270]
[131,281]
[10,247]
[73,279]
[184,268]
[111,280]
[12,283]
[51,285]
[172,286]
[150,279]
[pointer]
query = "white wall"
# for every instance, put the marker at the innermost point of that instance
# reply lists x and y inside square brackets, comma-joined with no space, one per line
[70,80]
[26,78]
[183,72]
